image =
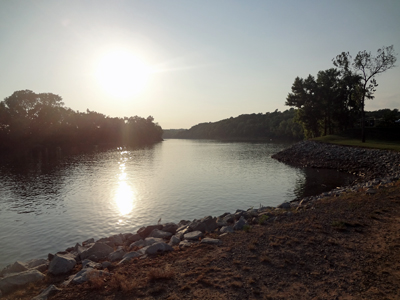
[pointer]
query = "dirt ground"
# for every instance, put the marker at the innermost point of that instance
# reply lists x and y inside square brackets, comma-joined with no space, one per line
[346,247]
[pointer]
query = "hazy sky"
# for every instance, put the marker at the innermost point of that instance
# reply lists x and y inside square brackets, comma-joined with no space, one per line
[208,60]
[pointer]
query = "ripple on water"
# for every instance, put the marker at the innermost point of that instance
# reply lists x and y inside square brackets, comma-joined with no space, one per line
[51,206]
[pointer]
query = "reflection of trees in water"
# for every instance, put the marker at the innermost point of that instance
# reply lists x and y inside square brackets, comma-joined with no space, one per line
[35,182]
[316,181]
[32,182]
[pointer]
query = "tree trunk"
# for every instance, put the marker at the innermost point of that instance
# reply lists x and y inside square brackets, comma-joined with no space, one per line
[363,120]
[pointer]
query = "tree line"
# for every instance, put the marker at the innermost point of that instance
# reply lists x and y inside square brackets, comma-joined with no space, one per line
[271,125]
[334,100]
[31,120]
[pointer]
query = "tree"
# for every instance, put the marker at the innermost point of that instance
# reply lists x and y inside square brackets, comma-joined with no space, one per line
[367,67]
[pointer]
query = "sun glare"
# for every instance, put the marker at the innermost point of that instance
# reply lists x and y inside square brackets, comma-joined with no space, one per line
[122,74]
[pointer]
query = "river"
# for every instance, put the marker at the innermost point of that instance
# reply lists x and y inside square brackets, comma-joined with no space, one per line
[48,205]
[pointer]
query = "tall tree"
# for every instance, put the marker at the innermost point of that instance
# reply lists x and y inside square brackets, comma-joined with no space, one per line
[367,67]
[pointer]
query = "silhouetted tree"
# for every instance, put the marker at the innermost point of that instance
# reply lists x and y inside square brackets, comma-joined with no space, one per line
[367,67]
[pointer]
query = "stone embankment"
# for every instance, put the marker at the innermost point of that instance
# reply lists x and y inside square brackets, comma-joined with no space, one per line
[77,264]
[92,258]
[374,168]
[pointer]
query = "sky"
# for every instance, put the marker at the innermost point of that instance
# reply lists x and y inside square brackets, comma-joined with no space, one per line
[187,62]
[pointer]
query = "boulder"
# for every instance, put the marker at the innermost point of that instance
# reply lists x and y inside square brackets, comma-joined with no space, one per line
[284,205]
[152,240]
[170,227]
[240,224]
[207,224]
[160,234]
[33,263]
[89,241]
[16,267]
[116,255]
[226,229]
[131,238]
[98,250]
[117,239]
[85,274]
[174,240]
[62,263]
[185,243]
[210,241]
[158,248]
[49,291]
[90,264]
[252,212]
[220,222]
[129,256]
[195,235]
[145,231]
[16,280]
[229,218]
[139,243]
[105,264]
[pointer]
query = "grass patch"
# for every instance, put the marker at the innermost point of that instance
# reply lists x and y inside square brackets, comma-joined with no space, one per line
[346,141]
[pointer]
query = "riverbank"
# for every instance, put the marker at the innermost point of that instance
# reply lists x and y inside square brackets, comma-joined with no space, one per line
[341,246]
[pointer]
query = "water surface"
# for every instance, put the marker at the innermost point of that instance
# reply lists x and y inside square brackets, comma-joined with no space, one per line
[47,205]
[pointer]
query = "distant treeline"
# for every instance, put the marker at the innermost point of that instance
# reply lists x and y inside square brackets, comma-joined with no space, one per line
[275,125]
[30,121]
[280,125]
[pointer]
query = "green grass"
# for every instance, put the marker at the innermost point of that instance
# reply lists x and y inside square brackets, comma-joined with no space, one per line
[346,141]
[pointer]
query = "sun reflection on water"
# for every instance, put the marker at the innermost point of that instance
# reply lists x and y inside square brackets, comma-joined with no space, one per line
[125,197]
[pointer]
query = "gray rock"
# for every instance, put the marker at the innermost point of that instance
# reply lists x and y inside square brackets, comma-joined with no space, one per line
[16,267]
[180,234]
[116,255]
[170,227]
[90,264]
[41,268]
[207,224]
[33,263]
[105,264]
[99,250]
[185,243]
[131,238]
[240,224]
[220,222]
[185,229]
[158,248]
[160,234]
[117,239]
[226,229]
[284,205]
[195,235]
[49,291]
[129,256]
[85,274]
[16,280]
[174,240]
[210,241]
[152,240]
[145,231]
[229,218]
[139,243]
[252,212]
[89,241]
[62,263]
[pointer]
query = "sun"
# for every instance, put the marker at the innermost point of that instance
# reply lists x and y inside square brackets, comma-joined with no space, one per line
[121,74]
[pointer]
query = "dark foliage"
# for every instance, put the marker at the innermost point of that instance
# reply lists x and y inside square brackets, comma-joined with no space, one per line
[31,121]
[254,126]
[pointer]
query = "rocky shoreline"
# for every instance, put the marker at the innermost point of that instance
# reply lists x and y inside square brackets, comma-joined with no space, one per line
[77,264]
[374,168]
